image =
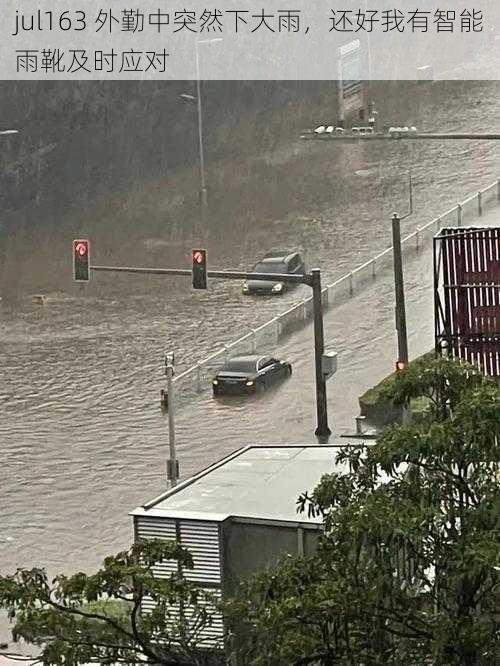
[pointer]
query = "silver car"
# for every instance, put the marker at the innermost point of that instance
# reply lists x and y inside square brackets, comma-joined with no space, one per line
[280,263]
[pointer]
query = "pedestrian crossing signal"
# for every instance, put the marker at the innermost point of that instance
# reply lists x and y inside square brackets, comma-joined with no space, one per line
[81,260]
[199,267]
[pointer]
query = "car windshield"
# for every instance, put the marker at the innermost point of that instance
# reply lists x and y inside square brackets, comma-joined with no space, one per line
[243,365]
[270,267]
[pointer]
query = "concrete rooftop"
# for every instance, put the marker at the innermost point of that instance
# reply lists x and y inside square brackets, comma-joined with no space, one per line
[260,482]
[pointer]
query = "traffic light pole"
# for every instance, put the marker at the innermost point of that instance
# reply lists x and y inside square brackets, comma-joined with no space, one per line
[312,279]
[322,429]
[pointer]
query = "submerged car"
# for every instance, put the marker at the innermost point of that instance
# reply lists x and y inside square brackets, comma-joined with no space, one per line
[282,263]
[250,374]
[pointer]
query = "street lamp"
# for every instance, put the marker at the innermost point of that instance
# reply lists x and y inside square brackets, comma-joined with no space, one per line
[198,100]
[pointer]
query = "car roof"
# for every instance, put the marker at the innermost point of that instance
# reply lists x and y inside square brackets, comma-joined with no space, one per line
[250,358]
[279,255]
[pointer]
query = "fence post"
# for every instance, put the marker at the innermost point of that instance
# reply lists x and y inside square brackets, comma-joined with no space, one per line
[278,327]
[417,239]
[374,272]
[479,203]
[198,378]
[351,283]
[459,214]
[254,345]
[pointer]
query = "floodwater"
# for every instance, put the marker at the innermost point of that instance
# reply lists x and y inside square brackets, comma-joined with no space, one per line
[82,438]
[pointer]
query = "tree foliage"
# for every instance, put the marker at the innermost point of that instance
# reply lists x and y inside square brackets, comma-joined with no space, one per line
[407,566]
[97,618]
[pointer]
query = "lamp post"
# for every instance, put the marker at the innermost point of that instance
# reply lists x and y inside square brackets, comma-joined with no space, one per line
[198,100]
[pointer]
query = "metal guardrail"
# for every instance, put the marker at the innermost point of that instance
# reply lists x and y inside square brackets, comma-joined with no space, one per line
[265,337]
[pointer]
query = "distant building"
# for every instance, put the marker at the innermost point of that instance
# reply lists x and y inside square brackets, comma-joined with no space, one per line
[240,515]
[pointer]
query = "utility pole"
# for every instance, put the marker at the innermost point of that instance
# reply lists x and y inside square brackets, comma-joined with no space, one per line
[322,429]
[399,291]
[172,463]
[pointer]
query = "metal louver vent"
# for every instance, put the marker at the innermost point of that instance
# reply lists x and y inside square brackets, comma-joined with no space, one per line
[158,528]
[155,528]
[202,541]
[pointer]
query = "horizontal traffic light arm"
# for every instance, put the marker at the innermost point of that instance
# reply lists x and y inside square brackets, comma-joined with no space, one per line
[403,136]
[225,275]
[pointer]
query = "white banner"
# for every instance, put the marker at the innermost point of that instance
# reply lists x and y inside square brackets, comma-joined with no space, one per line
[248,39]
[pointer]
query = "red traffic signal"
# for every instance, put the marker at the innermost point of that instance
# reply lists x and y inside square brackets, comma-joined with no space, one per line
[198,256]
[81,260]
[199,268]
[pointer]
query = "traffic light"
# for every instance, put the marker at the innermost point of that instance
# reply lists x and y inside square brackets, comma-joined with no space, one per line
[199,262]
[81,260]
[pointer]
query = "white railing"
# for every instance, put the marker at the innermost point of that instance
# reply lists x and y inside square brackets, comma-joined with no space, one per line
[265,337]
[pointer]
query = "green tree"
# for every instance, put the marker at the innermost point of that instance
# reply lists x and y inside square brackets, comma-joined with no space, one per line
[407,566]
[97,618]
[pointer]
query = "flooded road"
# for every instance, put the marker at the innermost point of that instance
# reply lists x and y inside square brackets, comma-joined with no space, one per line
[82,439]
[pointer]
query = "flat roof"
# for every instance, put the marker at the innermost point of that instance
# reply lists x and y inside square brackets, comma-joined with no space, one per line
[259,482]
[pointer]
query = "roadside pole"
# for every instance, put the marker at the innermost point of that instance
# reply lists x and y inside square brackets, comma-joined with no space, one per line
[322,429]
[172,463]
[399,291]
[203,193]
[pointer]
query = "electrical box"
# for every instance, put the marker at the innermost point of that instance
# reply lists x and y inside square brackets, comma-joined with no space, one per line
[329,364]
